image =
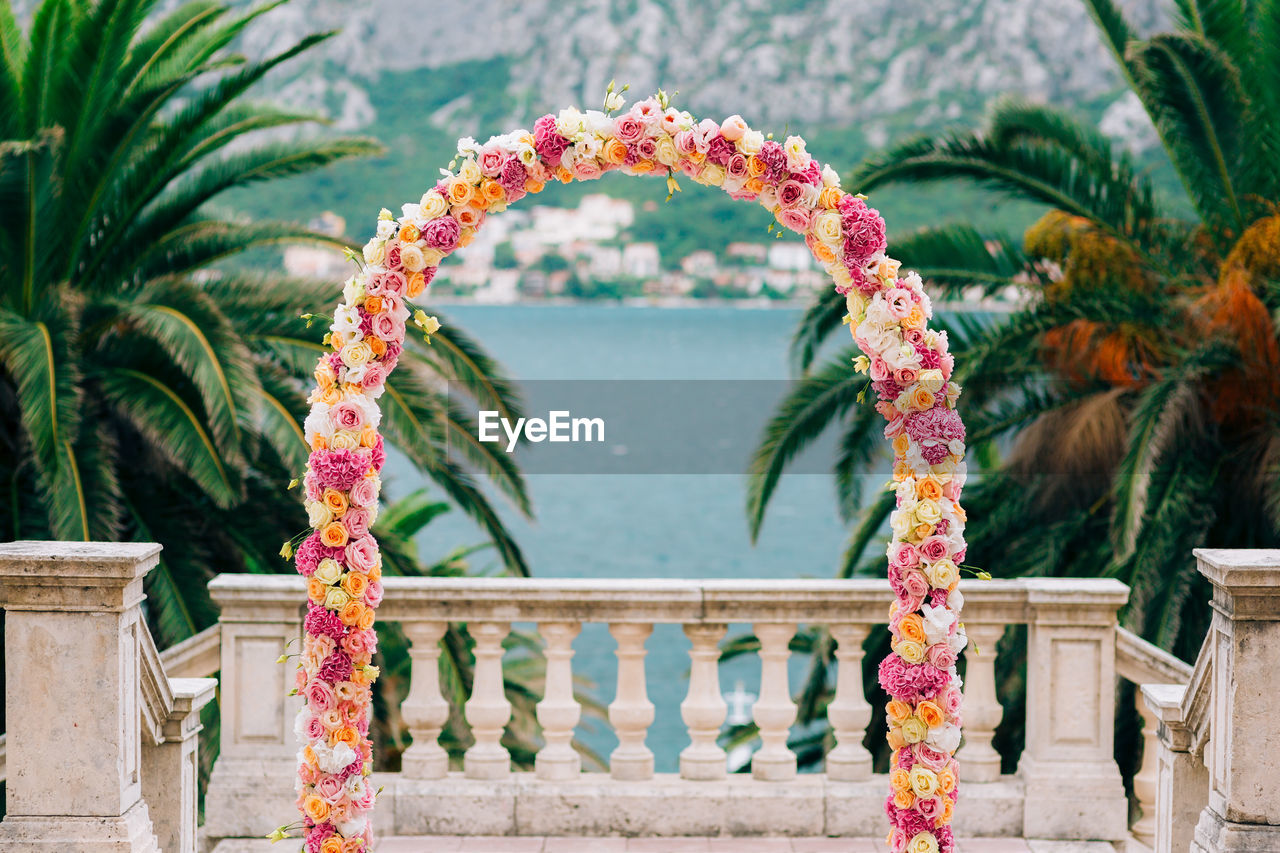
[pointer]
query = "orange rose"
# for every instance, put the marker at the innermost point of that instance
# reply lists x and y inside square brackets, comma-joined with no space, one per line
[333,396]
[756,167]
[378,345]
[900,779]
[365,622]
[478,203]
[493,191]
[335,501]
[467,235]
[754,185]
[417,283]
[373,304]
[336,340]
[368,437]
[912,628]
[316,590]
[332,844]
[316,809]
[334,535]
[319,442]
[614,151]
[352,845]
[904,799]
[948,810]
[902,444]
[947,779]
[928,489]
[923,531]
[915,319]
[931,714]
[901,472]
[355,584]
[350,613]
[829,198]
[563,175]
[921,399]
[895,738]
[460,192]
[309,755]
[408,233]
[346,735]
[375,574]
[642,167]
[961,514]
[823,253]
[533,185]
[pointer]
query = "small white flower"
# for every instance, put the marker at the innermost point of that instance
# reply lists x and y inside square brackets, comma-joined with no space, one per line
[614,101]
[945,738]
[937,622]
[830,178]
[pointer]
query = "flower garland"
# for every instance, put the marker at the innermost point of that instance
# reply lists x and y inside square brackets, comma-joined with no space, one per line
[909,368]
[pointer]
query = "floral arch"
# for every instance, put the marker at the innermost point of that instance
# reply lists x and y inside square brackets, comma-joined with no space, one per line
[909,368]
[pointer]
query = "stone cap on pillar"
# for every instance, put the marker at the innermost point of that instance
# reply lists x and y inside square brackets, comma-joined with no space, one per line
[74,576]
[1165,701]
[1085,601]
[259,598]
[1246,581]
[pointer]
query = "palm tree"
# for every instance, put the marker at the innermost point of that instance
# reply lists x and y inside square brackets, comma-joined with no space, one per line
[1126,411]
[148,388]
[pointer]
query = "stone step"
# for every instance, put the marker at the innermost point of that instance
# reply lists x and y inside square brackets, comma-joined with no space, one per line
[511,844]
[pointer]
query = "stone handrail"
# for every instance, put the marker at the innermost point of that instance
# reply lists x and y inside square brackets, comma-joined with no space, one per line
[1067,785]
[101,747]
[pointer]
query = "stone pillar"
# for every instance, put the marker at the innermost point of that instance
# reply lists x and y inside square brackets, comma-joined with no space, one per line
[424,710]
[488,710]
[774,711]
[1182,781]
[252,781]
[703,709]
[1073,786]
[170,770]
[74,750]
[1244,790]
[978,759]
[558,712]
[849,712]
[631,712]
[1146,781]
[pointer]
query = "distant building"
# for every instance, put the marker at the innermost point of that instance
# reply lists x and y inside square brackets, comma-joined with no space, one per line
[641,260]
[596,219]
[787,255]
[315,261]
[700,263]
[749,252]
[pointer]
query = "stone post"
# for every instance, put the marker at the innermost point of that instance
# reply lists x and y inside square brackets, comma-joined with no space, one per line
[558,712]
[774,711]
[979,761]
[424,710]
[1182,781]
[1073,786]
[849,712]
[703,709]
[257,762]
[170,770]
[72,623]
[1244,790]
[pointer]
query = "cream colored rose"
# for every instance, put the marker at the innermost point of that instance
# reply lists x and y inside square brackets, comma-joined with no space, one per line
[923,781]
[827,228]
[318,514]
[375,251]
[910,651]
[751,142]
[336,598]
[329,571]
[470,171]
[356,354]
[433,205]
[344,439]
[914,730]
[942,574]
[667,153]
[900,523]
[830,177]
[712,175]
[411,258]
[923,843]
[931,380]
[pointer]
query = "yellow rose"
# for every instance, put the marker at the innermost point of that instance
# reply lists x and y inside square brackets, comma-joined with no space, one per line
[336,598]
[923,781]
[344,440]
[943,574]
[667,153]
[356,354]
[900,524]
[928,512]
[712,175]
[411,258]
[909,651]
[329,572]
[931,380]
[318,514]
[923,843]
[914,730]
[433,204]
[470,172]
[827,228]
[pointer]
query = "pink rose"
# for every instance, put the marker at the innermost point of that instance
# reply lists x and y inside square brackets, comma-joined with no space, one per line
[319,696]
[373,594]
[365,492]
[358,643]
[941,655]
[330,789]
[790,193]
[898,841]
[385,327]
[798,219]
[904,376]
[934,759]
[362,554]
[315,728]
[356,520]
[587,169]
[930,807]
[951,701]
[491,161]
[628,129]
[346,415]
[934,548]
[685,142]
[442,233]
[904,556]
[647,148]
[394,282]
[737,166]
[914,582]
[374,375]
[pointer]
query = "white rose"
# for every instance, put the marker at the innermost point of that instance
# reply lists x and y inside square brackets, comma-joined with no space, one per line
[945,738]
[827,228]
[433,205]
[666,151]
[570,122]
[900,522]
[470,171]
[412,260]
[830,178]
[318,423]
[374,251]
[410,212]
[751,142]
[712,175]
[598,124]
[937,623]
[352,828]
[768,198]
[318,514]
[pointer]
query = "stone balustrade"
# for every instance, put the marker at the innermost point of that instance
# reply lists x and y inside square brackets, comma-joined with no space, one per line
[100,752]
[1067,785]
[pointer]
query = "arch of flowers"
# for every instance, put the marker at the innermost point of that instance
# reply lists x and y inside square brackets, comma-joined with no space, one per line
[909,368]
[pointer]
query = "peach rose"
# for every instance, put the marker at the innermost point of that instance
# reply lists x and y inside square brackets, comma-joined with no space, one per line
[334,535]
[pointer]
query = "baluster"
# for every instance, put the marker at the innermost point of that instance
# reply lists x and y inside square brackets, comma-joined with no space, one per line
[774,712]
[849,713]
[488,710]
[424,710]
[558,712]
[979,761]
[1146,780]
[631,712]
[703,709]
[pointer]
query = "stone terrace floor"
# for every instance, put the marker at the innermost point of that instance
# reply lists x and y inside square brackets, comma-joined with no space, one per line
[480,844]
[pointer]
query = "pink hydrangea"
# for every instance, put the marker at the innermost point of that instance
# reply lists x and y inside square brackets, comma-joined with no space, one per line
[311,552]
[322,622]
[911,683]
[548,142]
[339,469]
[336,667]
[863,228]
[513,177]
[932,430]
[442,233]
[774,157]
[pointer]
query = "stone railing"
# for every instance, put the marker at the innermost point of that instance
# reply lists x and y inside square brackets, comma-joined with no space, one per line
[1217,789]
[1067,784]
[100,752]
